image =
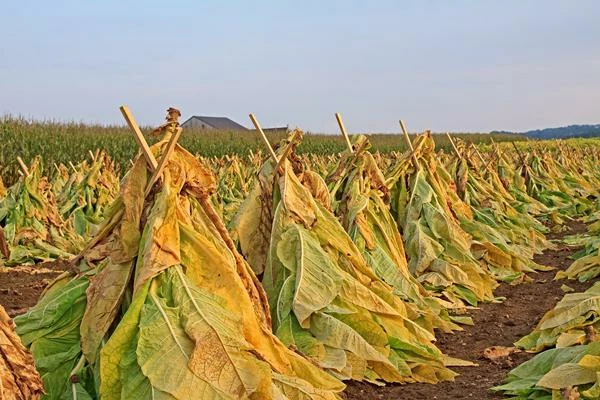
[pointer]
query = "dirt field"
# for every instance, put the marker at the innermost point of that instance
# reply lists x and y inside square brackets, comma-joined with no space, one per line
[20,287]
[495,325]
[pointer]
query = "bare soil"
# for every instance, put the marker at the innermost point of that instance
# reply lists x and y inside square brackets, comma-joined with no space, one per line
[495,325]
[21,287]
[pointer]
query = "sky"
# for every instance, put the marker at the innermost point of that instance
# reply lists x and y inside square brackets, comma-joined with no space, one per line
[458,66]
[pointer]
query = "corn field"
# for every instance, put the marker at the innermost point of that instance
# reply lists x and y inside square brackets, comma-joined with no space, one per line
[71,142]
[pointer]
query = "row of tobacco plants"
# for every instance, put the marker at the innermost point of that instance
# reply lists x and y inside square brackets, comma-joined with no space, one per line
[283,277]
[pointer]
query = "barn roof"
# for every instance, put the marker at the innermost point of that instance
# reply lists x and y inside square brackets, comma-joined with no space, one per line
[221,123]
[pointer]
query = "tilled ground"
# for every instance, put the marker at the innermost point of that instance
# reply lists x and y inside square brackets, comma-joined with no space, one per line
[495,325]
[20,287]
[498,324]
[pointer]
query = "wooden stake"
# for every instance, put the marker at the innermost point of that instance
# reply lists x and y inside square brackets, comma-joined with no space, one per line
[72,167]
[491,160]
[163,160]
[340,122]
[264,137]
[115,218]
[284,156]
[453,145]
[23,166]
[485,164]
[92,155]
[478,153]
[4,249]
[139,138]
[519,153]
[410,146]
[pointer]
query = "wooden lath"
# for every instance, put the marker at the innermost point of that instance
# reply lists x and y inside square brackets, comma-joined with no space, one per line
[23,166]
[139,137]
[454,146]
[340,122]
[410,145]
[164,159]
[156,171]
[264,138]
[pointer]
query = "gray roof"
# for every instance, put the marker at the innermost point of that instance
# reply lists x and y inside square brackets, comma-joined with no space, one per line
[221,123]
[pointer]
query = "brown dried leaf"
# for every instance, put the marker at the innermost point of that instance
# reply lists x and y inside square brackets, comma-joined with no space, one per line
[570,393]
[317,187]
[18,376]
[495,352]
[4,245]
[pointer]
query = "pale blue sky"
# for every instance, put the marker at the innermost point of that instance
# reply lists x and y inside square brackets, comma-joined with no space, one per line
[440,65]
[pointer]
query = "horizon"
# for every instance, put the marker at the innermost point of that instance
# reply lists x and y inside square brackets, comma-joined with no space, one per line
[460,67]
[251,128]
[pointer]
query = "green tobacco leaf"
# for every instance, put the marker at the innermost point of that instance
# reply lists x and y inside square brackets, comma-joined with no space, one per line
[120,372]
[162,333]
[51,331]
[567,319]
[566,375]
[317,283]
[524,379]
[104,296]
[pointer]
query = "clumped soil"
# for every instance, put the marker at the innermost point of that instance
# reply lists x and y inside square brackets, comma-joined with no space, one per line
[20,287]
[498,324]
